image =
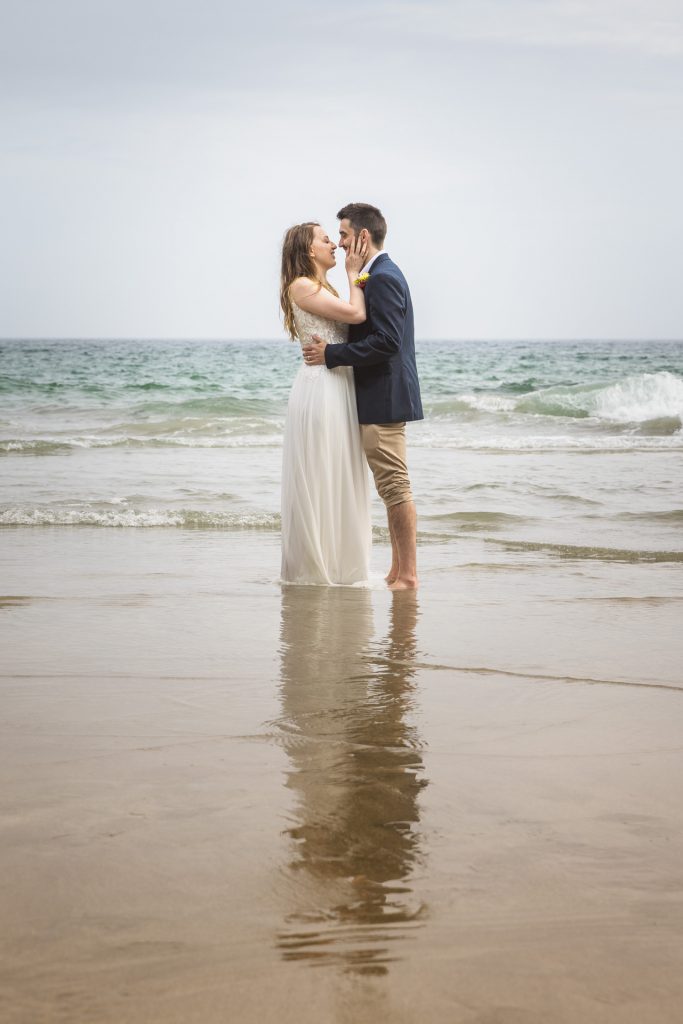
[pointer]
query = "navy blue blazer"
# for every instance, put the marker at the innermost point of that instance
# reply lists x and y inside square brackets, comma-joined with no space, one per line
[382,350]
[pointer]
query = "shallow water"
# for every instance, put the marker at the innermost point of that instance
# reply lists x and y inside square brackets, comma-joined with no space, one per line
[566,448]
[224,798]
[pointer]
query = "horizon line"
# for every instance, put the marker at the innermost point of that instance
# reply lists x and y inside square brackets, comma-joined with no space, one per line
[219,340]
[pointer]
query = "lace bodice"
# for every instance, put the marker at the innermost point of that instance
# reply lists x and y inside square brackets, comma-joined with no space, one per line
[308,324]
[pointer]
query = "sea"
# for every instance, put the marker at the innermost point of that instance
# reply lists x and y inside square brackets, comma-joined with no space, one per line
[570,449]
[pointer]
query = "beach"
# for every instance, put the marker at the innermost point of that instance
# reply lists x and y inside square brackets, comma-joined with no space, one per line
[229,800]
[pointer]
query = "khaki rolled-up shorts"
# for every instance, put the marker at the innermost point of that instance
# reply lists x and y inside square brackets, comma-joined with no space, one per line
[385,449]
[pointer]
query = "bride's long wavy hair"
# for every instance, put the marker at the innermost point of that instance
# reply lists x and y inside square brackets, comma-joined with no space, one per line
[298,262]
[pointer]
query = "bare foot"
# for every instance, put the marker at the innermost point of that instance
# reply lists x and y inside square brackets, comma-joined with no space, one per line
[403,583]
[391,576]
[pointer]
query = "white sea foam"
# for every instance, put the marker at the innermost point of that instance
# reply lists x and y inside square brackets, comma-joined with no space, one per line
[47,515]
[489,402]
[647,396]
[53,445]
[640,398]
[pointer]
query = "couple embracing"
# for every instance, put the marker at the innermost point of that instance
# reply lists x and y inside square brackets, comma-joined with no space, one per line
[350,401]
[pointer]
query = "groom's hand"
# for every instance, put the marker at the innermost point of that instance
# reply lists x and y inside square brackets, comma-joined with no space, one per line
[314,355]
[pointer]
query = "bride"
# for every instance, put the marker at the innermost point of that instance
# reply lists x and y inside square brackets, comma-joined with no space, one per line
[325,493]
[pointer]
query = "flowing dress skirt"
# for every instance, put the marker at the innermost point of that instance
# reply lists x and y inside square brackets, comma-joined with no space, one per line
[326,530]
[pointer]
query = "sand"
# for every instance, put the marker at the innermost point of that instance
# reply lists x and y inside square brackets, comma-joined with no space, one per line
[228,801]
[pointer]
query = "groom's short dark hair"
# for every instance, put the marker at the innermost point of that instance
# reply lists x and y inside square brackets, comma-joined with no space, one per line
[362,215]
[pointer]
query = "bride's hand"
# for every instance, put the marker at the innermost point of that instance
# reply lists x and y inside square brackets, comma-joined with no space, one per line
[356,255]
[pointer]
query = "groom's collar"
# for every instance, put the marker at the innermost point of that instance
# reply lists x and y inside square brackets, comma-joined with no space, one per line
[377,258]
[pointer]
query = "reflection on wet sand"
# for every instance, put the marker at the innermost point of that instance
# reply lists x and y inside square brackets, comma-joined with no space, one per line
[355,765]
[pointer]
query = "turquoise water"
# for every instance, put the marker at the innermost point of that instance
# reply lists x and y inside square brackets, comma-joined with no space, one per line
[560,446]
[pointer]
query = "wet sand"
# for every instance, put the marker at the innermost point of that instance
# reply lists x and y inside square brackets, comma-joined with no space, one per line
[228,801]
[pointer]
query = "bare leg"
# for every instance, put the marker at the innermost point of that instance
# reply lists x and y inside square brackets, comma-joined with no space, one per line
[403,527]
[393,572]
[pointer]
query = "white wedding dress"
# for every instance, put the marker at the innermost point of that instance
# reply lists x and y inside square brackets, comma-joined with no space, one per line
[326,528]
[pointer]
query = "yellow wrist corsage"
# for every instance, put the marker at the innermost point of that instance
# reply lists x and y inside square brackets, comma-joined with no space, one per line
[362,280]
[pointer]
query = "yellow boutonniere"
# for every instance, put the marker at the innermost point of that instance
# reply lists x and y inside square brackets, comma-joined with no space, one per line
[362,280]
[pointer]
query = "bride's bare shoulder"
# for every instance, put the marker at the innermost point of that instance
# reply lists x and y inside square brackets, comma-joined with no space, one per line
[302,288]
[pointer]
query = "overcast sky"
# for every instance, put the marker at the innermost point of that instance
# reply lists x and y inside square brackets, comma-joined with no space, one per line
[527,154]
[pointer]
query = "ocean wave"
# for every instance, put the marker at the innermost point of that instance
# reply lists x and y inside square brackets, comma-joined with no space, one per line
[223,404]
[174,396]
[192,519]
[526,488]
[653,400]
[186,518]
[478,520]
[640,412]
[587,552]
[33,446]
[522,444]
[674,515]
[510,444]
[420,437]
[48,446]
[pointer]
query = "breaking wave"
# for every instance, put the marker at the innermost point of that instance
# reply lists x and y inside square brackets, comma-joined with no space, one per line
[186,518]
[49,446]
[654,399]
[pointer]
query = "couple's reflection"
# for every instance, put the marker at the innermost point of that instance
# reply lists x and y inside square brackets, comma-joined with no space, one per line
[355,769]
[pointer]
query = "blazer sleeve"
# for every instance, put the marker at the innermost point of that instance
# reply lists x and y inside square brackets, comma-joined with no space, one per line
[387,309]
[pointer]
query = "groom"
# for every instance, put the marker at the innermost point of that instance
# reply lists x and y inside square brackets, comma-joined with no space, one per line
[382,354]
